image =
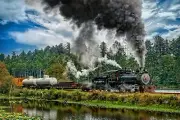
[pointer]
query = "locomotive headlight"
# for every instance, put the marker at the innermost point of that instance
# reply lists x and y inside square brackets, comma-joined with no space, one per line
[145,78]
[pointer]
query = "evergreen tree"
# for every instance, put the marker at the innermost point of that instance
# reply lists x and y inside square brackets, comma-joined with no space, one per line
[14,55]
[2,57]
[103,48]
[159,45]
[68,48]
[175,47]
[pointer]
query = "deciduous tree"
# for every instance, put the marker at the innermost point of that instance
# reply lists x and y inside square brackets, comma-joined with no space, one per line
[5,79]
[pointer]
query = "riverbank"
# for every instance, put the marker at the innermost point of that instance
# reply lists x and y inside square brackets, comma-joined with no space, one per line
[15,116]
[116,105]
[135,101]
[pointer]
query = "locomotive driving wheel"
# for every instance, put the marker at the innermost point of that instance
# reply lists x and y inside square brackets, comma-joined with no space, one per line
[122,89]
[141,89]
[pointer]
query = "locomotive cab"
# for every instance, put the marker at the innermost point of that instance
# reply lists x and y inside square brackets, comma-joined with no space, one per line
[99,82]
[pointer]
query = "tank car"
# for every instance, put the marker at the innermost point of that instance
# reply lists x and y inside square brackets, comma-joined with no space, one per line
[122,80]
[48,82]
[29,82]
[44,82]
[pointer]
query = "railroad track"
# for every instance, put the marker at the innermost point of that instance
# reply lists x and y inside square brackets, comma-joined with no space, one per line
[168,91]
[155,92]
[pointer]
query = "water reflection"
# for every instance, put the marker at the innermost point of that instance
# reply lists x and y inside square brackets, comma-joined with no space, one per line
[58,111]
[45,114]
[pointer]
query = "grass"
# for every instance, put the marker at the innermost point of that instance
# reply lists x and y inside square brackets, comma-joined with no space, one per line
[4,96]
[16,116]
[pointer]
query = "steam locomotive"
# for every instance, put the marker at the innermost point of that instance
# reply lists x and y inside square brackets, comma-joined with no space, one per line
[124,80]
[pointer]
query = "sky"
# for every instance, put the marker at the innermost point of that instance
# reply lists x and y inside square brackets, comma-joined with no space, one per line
[26,27]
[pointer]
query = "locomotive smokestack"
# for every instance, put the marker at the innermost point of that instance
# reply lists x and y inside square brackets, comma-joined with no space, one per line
[124,16]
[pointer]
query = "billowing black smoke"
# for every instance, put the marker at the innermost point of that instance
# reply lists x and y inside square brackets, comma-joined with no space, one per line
[124,16]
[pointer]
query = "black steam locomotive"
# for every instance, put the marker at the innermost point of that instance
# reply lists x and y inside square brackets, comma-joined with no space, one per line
[123,80]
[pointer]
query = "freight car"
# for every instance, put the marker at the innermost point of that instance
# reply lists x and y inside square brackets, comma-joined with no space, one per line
[123,80]
[48,82]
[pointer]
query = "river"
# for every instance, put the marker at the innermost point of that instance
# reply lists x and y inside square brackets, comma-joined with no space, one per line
[59,111]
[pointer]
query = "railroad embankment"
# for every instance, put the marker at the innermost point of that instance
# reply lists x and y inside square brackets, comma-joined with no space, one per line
[138,101]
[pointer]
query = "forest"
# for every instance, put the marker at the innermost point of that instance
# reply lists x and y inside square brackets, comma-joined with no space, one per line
[162,62]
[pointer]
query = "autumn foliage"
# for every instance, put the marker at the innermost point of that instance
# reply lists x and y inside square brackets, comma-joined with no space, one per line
[5,78]
[17,81]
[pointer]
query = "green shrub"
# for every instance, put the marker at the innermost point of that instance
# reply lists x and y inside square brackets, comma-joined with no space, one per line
[102,96]
[121,99]
[16,92]
[142,99]
[25,92]
[112,97]
[94,95]
[63,94]
[56,94]
[85,97]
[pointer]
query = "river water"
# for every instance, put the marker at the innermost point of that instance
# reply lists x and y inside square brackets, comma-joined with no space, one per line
[59,111]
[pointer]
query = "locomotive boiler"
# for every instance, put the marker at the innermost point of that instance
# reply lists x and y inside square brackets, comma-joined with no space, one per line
[123,80]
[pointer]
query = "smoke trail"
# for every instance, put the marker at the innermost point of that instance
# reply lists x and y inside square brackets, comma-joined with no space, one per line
[110,62]
[124,16]
[86,46]
[72,69]
[85,72]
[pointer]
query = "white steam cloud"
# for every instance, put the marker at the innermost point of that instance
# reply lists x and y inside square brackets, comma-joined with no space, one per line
[108,61]
[71,68]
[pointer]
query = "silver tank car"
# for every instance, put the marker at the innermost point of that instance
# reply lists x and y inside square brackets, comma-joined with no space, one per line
[46,80]
[29,81]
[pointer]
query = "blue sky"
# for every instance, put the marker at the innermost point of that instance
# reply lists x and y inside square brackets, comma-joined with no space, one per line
[24,25]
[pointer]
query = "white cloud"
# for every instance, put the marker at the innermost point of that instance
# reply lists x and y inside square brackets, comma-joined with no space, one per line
[12,10]
[168,27]
[167,15]
[175,7]
[35,4]
[151,36]
[54,23]
[162,25]
[57,29]
[153,26]
[149,9]
[172,34]
[157,16]
[39,38]
[3,22]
